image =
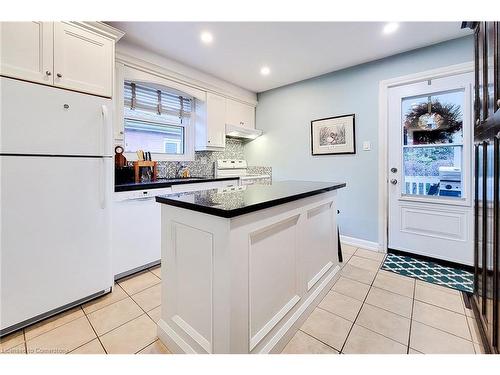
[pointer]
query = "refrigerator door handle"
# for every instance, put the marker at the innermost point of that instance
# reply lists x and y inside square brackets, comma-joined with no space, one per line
[105,130]
[102,183]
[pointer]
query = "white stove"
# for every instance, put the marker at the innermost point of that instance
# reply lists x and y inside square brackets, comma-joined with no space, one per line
[238,168]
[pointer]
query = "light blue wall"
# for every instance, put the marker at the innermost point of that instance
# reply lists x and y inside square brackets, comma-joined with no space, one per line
[284,114]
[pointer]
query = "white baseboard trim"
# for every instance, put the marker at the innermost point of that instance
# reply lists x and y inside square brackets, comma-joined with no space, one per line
[357,242]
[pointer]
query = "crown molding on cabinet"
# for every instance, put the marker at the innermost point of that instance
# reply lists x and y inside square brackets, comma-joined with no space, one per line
[100,28]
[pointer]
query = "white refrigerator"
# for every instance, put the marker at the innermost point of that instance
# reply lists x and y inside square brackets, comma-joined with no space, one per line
[55,191]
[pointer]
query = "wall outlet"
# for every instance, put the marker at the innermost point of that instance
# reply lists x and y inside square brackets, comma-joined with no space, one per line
[367,146]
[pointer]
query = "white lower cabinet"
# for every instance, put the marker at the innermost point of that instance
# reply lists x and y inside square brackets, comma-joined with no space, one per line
[245,284]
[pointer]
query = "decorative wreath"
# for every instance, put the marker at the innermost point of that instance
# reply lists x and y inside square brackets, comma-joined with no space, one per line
[433,122]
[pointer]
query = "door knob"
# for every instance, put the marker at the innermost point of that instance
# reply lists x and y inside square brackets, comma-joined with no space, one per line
[394,181]
[394,170]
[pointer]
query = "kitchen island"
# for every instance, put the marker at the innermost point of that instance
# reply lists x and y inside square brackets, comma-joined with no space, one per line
[244,267]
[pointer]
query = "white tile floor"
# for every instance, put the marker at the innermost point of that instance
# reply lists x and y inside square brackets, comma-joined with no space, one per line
[367,311]
[370,310]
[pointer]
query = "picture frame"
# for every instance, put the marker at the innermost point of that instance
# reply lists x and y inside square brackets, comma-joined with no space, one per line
[333,135]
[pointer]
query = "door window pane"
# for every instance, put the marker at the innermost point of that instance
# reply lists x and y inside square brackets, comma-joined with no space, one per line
[433,171]
[433,119]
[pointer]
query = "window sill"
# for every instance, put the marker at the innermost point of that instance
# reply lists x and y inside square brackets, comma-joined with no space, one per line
[131,156]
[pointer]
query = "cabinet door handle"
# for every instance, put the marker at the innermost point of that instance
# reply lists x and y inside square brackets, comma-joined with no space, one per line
[59,75]
[48,74]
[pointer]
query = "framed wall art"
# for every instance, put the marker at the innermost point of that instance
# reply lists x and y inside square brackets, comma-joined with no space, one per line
[333,135]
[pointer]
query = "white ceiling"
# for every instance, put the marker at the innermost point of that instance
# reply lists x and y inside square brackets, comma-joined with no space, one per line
[293,50]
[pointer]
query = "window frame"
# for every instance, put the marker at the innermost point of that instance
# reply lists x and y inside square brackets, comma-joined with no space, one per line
[144,78]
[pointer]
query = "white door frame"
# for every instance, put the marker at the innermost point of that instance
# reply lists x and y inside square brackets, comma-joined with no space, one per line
[383,134]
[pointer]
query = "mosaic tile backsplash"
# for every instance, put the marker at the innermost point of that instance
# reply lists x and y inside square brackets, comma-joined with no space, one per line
[203,165]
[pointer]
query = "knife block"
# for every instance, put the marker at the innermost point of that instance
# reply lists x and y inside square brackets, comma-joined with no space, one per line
[145,164]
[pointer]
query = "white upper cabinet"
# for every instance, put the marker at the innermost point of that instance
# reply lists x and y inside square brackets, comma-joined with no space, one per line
[26,51]
[210,123]
[83,60]
[216,120]
[240,114]
[72,55]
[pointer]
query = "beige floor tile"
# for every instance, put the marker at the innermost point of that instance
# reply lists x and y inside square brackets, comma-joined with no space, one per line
[302,343]
[474,330]
[479,349]
[431,340]
[139,282]
[327,327]
[155,348]
[413,351]
[62,339]
[149,298]
[348,249]
[370,254]
[366,264]
[130,337]
[156,271]
[93,347]
[389,301]
[116,295]
[345,259]
[438,287]
[388,324]
[438,297]
[358,274]
[155,314]
[53,322]
[112,316]
[364,341]
[341,305]
[11,340]
[19,349]
[442,319]
[351,288]
[395,283]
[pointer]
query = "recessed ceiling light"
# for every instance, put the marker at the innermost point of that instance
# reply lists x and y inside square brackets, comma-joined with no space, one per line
[206,37]
[265,70]
[390,27]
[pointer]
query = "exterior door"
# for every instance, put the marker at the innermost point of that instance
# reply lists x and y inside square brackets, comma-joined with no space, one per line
[429,161]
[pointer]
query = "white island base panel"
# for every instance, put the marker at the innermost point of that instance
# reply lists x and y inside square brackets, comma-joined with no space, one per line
[245,284]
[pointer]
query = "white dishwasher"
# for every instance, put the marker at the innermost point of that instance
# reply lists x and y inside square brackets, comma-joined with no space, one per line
[136,231]
[136,240]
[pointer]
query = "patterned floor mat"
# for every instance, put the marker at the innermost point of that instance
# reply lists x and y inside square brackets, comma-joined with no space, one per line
[429,271]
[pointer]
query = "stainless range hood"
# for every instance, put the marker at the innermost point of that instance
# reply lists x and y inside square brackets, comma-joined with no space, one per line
[242,133]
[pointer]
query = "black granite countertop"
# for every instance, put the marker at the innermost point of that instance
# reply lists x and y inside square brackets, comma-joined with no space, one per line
[251,198]
[167,182]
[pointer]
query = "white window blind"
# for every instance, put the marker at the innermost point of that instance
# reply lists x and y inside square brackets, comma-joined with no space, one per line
[155,101]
